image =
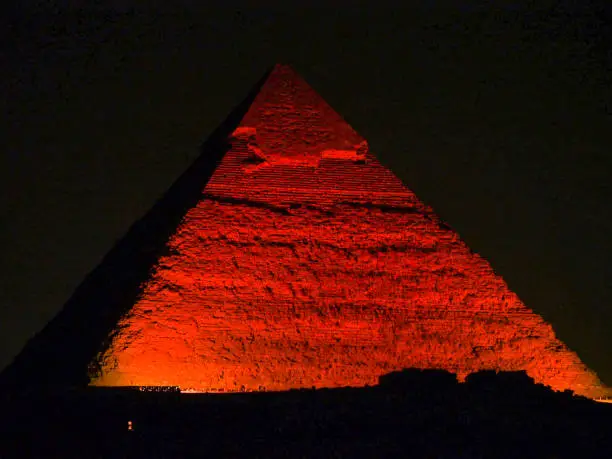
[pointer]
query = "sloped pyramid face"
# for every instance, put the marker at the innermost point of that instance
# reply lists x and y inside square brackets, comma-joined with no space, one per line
[307,263]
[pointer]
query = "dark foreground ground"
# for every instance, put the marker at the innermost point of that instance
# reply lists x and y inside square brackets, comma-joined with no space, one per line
[412,414]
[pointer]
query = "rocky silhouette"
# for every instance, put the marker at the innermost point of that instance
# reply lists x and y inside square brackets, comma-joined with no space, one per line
[411,413]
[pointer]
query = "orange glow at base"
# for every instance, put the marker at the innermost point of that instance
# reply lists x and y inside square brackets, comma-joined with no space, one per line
[306,263]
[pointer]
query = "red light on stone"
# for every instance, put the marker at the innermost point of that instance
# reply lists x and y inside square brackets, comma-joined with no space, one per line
[306,263]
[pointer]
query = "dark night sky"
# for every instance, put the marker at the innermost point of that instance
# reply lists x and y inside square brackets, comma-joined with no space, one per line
[500,120]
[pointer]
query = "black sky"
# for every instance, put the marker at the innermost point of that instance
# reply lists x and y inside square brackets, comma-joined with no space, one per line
[499,119]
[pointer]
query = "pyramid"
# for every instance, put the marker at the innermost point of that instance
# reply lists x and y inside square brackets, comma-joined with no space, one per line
[306,263]
[303,262]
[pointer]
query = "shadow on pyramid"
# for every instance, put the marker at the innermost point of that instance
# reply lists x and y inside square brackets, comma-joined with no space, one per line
[62,352]
[288,257]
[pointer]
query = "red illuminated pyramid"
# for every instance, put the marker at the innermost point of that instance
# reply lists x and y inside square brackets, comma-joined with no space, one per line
[307,263]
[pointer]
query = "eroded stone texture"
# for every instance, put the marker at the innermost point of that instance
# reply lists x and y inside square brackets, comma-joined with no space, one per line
[307,263]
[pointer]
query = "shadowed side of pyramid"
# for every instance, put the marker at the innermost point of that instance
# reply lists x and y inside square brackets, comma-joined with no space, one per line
[61,354]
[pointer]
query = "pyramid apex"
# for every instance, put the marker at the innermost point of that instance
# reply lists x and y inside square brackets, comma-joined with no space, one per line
[280,70]
[281,65]
[293,123]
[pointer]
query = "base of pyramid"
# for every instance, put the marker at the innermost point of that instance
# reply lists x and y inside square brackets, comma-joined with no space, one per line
[226,384]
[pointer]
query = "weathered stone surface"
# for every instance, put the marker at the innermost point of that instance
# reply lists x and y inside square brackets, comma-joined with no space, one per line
[307,263]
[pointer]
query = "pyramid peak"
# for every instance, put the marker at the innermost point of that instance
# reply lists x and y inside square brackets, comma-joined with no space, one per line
[291,123]
[283,67]
[285,71]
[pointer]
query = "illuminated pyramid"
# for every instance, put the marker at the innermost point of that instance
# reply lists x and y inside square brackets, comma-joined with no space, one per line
[307,263]
[304,262]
